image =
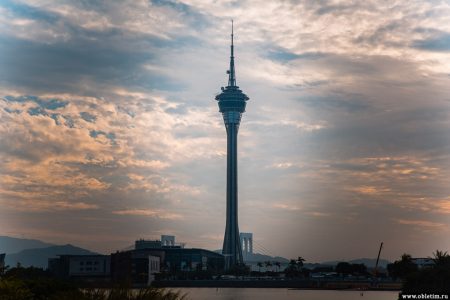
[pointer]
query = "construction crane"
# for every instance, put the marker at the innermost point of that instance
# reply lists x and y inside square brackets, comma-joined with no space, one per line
[375,271]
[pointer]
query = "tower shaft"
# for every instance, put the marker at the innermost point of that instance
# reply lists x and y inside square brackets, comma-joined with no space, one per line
[232,249]
[232,102]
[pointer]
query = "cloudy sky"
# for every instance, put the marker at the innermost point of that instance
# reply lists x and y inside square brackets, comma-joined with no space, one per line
[110,132]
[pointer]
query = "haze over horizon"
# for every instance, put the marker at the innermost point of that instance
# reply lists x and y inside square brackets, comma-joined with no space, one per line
[110,131]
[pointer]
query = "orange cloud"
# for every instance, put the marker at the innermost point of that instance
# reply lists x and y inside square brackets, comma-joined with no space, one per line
[422,223]
[149,213]
[284,206]
[43,205]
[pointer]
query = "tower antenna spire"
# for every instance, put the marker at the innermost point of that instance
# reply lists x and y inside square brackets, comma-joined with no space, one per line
[232,103]
[232,32]
[231,72]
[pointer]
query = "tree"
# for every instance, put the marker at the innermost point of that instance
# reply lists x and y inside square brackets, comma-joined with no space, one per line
[441,258]
[268,264]
[239,270]
[344,268]
[3,270]
[435,279]
[259,264]
[403,267]
[300,261]
[358,269]
[277,263]
[35,283]
[292,269]
[293,263]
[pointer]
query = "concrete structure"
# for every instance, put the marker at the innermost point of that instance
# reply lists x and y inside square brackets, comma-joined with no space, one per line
[232,102]
[154,267]
[135,266]
[81,266]
[145,244]
[132,267]
[247,243]
[2,260]
[168,240]
[423,262]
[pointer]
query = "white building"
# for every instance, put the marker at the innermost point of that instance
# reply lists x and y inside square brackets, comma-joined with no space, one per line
[154,267]
[83,266]
[423,262]
[167,240]
[89,265]
[246,243]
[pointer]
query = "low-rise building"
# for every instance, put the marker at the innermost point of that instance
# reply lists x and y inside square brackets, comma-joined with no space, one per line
[167,241]
[2,260]
[88,267]
[146,244]
[134,266]
[154,267]
[423,262]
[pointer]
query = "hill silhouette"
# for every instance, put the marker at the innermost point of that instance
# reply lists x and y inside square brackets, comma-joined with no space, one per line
[10,245]
[38,257]
[369,262]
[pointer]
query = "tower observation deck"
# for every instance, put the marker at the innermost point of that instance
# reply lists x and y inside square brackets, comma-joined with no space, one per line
[232,102]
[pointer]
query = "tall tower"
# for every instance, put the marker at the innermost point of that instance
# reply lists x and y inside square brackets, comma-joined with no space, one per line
[232,103]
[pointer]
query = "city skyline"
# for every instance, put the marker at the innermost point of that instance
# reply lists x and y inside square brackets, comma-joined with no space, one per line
[109,132]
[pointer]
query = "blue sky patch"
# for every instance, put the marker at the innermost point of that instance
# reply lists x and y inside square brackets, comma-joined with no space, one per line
[110,135]
[88,117]
[51,104]
[438,44]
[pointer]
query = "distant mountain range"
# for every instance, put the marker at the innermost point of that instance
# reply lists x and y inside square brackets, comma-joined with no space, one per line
[34,252]
[29,252]
[13,245]
[369,262]
[256,257]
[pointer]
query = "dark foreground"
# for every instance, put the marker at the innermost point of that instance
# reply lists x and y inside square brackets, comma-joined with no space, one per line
[283,294]
[292,284]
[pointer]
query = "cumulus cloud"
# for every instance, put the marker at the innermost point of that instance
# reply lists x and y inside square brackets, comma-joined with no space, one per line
[108,116]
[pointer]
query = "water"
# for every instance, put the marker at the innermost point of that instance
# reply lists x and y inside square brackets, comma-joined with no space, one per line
[282,294]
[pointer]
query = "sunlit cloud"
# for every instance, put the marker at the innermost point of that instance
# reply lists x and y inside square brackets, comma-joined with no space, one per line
[282,165]
[35,205]
[370,190]
[286,207]
[149,213]
[423,223]
[318,214]
[108,114]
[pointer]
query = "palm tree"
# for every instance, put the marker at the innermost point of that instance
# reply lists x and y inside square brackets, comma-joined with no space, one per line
[293,263]
[277,263]
[441,258]
[268,264]
[259,264]
[300,261]
[406,258]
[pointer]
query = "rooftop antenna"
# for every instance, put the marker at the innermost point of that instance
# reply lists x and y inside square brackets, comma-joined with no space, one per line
[231,72]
